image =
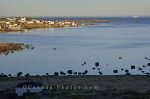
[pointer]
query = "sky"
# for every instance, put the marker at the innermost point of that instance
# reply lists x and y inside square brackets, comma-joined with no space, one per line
[74,7]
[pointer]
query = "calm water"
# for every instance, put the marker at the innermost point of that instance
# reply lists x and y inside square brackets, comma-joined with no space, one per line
[128,38]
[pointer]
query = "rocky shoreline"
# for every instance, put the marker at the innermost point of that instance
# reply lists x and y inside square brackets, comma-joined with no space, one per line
[6,48]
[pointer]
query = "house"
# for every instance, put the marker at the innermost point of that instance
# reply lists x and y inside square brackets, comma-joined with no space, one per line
[12,19]
[67,22]
[12,25]
[30,22]
[51,22]
[23,20]
[61,23]
[28,87]
[73,24]
[16,27]
[37,21]
[7,23]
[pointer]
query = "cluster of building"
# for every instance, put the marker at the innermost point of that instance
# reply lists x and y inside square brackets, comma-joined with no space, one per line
[10,24]
[20,23]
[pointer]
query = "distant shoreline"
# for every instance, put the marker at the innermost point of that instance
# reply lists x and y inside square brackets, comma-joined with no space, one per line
[14,24]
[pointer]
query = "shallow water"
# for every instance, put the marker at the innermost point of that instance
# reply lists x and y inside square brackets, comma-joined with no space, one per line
[124,37]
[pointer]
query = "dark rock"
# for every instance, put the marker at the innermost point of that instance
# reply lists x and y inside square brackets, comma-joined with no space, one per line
[85,72]
[94,68]
[19,74]
[140,68]
[127,71]
[69,72]
[54,49]
[146,58]
[132,67]
[148,64]
[79,73]
[100,73]
[75,73]
[27,75]
[62,73]
[148,74]
[47,74]
[120,58]
[122,69]
[115,71]
[96,64]
[56,74]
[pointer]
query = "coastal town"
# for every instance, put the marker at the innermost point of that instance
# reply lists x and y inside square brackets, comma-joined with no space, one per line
[22,23]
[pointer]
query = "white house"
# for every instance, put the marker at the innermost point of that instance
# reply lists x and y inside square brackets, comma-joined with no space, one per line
[51,22]
[16,27]
[67,22]
[30,22]
[12,25]
[7,23]
[23,20]
[37,21]
[28,87]
[73,24]
[12,19]
[61,23]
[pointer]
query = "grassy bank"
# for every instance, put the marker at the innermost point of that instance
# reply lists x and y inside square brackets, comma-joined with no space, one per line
[107,87]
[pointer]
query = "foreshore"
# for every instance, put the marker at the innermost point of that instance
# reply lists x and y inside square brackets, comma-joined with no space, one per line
[106,87]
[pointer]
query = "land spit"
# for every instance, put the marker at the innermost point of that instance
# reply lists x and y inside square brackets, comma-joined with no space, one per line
[92,87]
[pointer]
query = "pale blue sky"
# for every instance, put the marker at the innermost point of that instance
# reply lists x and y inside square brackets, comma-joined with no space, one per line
[74,7]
